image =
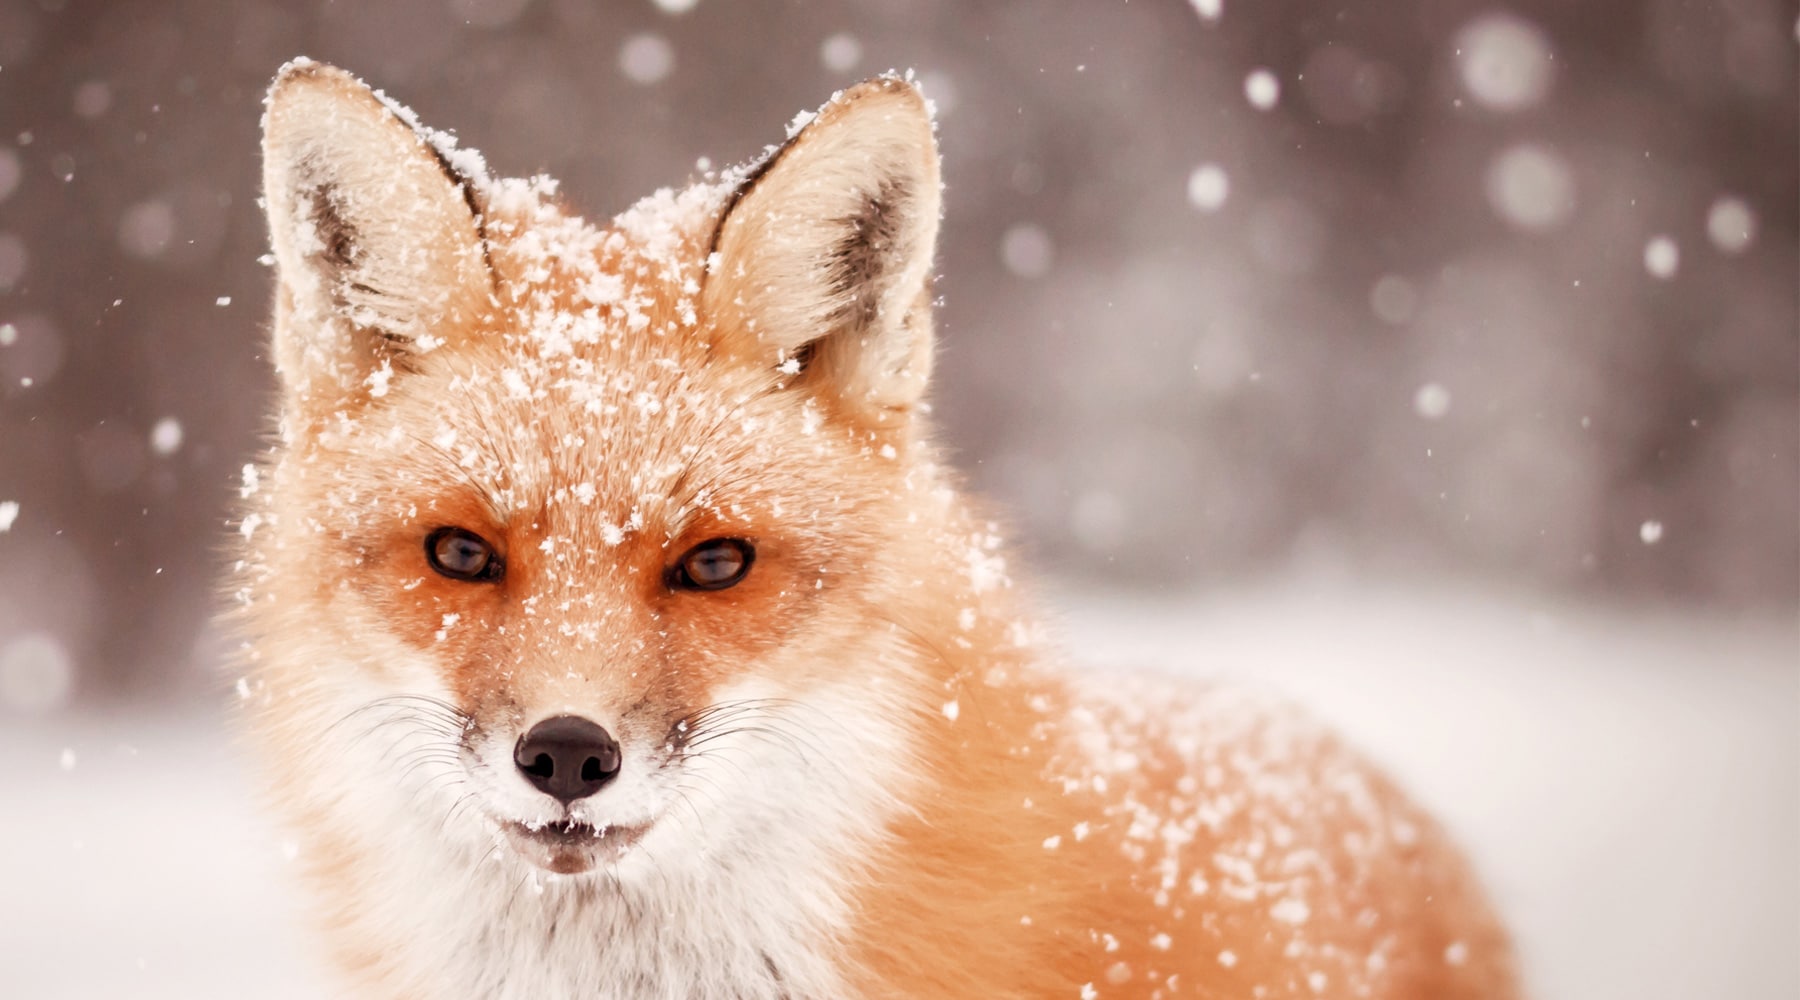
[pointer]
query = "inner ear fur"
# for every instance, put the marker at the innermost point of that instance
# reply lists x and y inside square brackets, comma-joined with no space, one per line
[377,238]
[823,259]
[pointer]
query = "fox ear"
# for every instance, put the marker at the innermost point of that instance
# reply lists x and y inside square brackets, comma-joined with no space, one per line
[823,260]
[376,237]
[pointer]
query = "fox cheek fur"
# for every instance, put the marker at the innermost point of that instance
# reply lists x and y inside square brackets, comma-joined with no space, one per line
[613,629]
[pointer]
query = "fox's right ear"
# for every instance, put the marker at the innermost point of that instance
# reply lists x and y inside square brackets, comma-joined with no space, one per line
[377,240]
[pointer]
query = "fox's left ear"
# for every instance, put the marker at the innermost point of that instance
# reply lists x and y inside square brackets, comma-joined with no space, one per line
[823,261]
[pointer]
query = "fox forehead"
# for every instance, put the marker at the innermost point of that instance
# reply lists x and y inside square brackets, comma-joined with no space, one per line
[588,382]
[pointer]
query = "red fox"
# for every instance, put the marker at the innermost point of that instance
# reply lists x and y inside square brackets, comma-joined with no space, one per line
[615,628]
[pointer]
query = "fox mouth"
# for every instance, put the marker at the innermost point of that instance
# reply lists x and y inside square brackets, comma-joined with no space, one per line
[569,847]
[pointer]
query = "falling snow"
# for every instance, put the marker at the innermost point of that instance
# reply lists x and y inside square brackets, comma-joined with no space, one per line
[1505,62]
[1731,225]
[1432,401]
[1531,188]
[165,436]
[1262,89]
[1027,251]
[840,52]
[646,58]
[1662,257]
[1207,187]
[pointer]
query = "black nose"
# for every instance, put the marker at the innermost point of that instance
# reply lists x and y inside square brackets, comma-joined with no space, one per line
[567,757]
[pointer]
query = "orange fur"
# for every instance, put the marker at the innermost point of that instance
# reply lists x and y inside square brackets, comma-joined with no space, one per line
[944,810]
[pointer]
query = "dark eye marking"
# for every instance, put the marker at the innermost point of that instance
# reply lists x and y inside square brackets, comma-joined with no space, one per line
[712,565]
[461,554]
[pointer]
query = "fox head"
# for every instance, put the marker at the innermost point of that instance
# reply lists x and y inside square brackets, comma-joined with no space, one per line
[602,546]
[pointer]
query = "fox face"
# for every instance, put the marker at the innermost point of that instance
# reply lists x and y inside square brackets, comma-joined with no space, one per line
[572,540]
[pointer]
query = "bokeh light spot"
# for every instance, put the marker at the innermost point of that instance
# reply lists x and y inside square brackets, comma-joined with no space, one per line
[1531,188]
[1026,251]
[841,52]
[646,58]
[1262,89]
[1662,257]
[36,673]
[1731,225]
[1505,62]
[1208,187]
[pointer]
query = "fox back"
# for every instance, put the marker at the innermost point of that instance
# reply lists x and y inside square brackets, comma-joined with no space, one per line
[615,629]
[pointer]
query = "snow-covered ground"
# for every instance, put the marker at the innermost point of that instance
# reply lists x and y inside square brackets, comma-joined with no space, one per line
[1628,782]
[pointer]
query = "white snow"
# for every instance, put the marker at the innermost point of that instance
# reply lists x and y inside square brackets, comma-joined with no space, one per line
[646,58]
[9,512]
[1505,61]
[1208,186]
[1026,251]
[1650,532]
[1262,89]
[1531,188]
[1627,783]
[165,436]
[1731,224]
[1292,910]
[1209,10]
[1432,401]
[1662,256]
[840,52]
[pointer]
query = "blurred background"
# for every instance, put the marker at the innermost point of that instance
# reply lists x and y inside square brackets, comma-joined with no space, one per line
[1436,360]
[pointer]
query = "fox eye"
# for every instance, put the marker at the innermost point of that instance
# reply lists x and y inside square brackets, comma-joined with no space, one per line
[712,565]
[462,555]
